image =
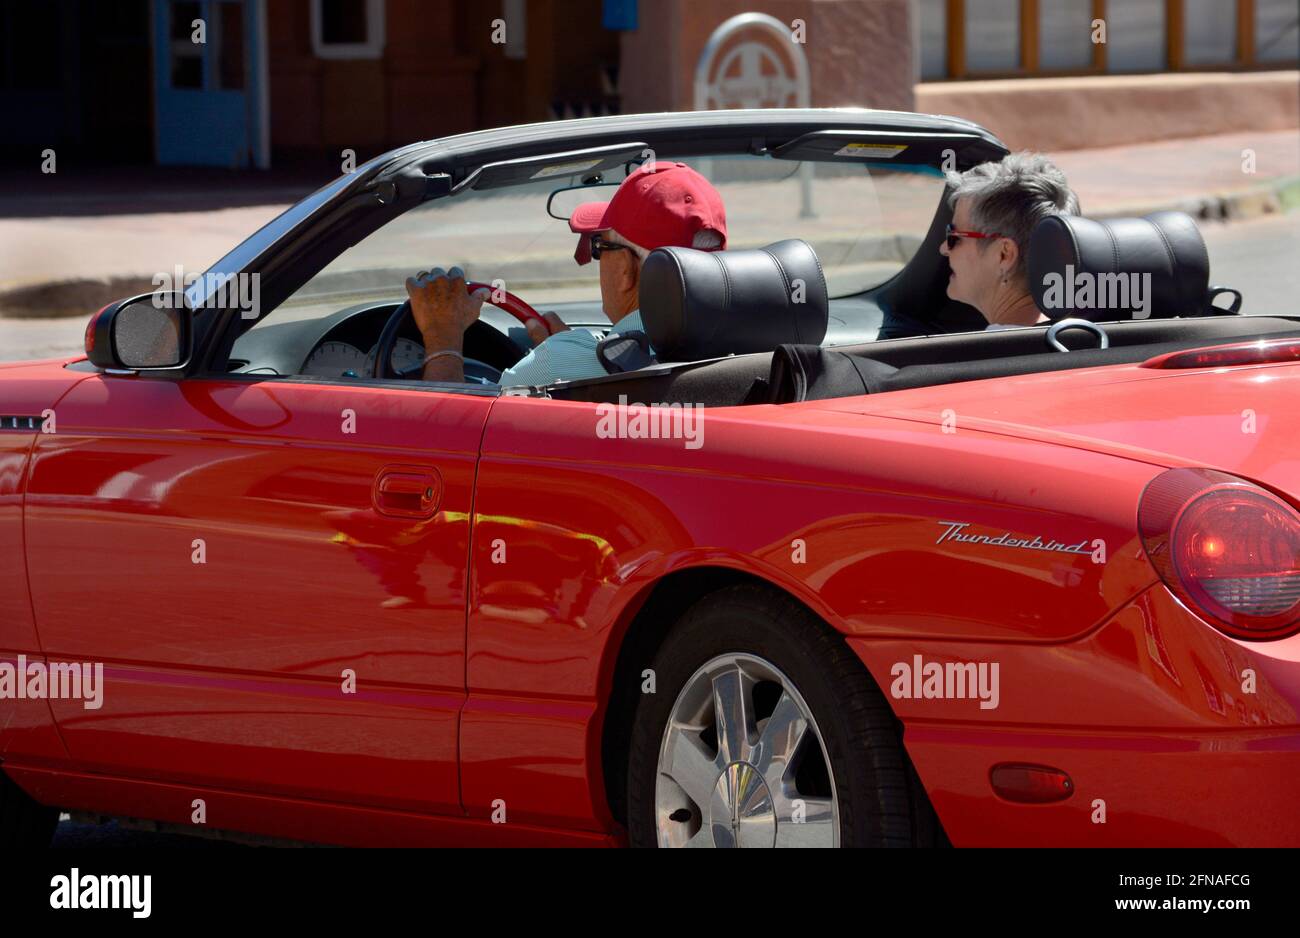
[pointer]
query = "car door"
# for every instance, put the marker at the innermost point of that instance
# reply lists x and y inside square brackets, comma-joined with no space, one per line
[272,573]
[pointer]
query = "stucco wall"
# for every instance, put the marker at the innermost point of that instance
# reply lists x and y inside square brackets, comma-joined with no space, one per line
[859,51]
[1079,113]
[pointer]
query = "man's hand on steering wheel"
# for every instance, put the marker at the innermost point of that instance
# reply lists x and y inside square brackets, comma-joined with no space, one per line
[443,309]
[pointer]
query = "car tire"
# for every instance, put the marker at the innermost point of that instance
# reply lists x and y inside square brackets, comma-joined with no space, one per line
[24,824]
[751,650]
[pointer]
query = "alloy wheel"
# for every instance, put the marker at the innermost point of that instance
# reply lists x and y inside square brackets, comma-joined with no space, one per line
[743,764]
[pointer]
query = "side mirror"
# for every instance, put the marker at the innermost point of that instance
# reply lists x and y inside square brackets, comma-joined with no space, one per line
[145,333]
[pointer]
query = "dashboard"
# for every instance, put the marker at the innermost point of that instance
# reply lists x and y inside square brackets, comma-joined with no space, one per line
[342,344]
[338,359]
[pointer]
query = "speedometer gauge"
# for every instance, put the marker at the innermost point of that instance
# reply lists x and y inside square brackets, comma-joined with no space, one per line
[336,360]
[407,356]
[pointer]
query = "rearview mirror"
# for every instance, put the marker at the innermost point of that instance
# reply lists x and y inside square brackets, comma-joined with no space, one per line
[144,333]
[562,202]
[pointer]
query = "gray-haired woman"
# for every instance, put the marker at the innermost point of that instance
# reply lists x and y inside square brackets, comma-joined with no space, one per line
[995,207]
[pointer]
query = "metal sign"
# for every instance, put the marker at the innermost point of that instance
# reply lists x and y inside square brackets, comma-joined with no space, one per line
[752,61]
[754,72]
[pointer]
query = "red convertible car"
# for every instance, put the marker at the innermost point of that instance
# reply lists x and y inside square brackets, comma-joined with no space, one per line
[836,567]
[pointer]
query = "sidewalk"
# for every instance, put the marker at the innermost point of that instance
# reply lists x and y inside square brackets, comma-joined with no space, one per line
[1202,176]
[102,236]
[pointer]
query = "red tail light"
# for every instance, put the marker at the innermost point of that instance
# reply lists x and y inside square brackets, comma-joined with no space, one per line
[1227,548]
[1263,352]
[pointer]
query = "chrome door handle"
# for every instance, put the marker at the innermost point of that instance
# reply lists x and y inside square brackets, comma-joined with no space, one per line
[407,491]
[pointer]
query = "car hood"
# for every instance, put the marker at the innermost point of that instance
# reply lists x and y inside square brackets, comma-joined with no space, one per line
[28,389]
[1243,419]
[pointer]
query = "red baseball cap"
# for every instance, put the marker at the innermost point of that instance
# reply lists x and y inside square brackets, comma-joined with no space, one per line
[659,205]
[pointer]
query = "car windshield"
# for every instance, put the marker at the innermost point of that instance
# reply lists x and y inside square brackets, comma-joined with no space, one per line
[864,223]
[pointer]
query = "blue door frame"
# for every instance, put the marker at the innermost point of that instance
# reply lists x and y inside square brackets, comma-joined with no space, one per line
[209,97]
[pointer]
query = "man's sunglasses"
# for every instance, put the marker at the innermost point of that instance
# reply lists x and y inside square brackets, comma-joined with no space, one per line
[955,236]
[599,244]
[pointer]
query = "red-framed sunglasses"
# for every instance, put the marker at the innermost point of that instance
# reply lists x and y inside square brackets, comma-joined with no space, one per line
[954,235]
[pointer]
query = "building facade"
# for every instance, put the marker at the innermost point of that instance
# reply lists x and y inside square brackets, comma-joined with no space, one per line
[985,39]
[255,83]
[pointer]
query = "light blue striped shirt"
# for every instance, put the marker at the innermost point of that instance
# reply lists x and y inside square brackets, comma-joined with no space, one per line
[567,356]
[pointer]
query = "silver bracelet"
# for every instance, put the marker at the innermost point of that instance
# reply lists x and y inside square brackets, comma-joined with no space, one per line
[432,355]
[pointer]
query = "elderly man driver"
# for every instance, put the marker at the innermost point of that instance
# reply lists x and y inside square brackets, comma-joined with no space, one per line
[658,205]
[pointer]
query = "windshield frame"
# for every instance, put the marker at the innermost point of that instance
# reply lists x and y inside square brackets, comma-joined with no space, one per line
[295,246]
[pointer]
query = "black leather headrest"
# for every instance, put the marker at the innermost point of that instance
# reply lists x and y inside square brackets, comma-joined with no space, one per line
[1162,256]
[708,304]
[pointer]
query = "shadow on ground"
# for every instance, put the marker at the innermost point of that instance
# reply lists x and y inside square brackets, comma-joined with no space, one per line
[70,834]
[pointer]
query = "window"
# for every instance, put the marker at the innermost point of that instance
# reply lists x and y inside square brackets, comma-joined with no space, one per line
[1209,32]
[1135,36]
[992,35]
[934,39]
[964,39]
[186,54]
[515,15]
[347,29]
[1064,35]
[1277,31]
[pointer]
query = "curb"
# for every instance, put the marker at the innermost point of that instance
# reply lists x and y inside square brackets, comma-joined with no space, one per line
[1275,197]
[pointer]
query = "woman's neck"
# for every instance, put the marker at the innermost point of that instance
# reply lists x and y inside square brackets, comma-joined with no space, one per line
[1013,307]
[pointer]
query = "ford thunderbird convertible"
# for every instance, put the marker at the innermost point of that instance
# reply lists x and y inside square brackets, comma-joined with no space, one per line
[820,562]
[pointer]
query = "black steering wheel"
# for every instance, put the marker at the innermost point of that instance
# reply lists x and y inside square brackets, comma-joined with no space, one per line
[476,371]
